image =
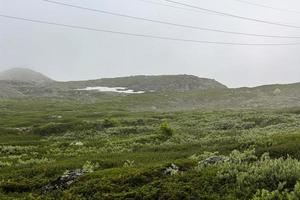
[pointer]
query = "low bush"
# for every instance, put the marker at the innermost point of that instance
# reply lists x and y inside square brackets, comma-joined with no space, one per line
[165,130]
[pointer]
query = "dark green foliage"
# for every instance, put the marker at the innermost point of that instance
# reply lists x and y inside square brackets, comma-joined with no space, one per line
[107,123]
[224,125]
[52,128]
[60,128]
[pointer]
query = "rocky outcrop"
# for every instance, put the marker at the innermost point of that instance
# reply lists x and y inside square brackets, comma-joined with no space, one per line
[213,160]
[171,170]
[64,181]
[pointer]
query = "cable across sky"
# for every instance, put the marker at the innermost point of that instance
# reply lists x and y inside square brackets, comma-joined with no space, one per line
[169,23]
[168,5]
[143,35]
[232,15]
[269,7]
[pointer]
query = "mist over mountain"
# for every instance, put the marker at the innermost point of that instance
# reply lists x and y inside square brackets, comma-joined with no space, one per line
[23,82]
[24,75]
[153,83]
[150,99]
[150,92]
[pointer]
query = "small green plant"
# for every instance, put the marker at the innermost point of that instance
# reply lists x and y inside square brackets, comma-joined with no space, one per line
[89,167]
[129,163]
[166,130]
[108,123]
[4,164]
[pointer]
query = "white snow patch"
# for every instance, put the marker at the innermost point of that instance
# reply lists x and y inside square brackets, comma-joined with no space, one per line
[113,89]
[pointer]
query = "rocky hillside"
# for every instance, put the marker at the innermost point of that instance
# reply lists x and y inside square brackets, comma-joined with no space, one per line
[18,83]
[152,83]
[269,96]
[161,92]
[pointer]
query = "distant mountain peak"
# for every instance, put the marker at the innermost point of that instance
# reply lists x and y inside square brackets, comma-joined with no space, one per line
[24,75]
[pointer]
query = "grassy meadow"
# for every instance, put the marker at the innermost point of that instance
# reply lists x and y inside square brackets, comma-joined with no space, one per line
[133,154]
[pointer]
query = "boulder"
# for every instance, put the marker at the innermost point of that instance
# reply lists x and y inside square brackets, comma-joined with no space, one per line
[171,170]
[213,160]
[64,181]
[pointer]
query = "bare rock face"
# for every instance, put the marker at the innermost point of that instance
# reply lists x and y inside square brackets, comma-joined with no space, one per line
[64,181]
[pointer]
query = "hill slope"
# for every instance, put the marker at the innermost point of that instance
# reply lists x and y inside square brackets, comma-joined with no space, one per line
[269,96]
[168,92]
[24,75]
[152,83]
[18,82]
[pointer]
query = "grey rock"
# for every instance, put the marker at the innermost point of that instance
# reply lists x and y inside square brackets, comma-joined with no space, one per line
[63,181]
[213,160]
[171,170]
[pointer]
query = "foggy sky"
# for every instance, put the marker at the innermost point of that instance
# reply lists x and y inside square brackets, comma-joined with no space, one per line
[69,54]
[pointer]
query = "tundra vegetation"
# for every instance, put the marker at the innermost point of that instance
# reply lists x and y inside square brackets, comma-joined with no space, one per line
[95,150]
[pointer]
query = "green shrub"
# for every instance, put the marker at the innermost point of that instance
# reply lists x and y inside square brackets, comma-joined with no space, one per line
[278,194]
[248,125]
[166,130]
[224,125]
[52,128]
[108,123]
[252,175]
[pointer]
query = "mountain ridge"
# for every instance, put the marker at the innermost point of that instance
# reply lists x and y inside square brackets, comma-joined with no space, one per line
[169,92]
[146,83]
[181,82]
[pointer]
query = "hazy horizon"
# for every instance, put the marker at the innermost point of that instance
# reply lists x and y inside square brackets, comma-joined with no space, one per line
[141,75]
[67,54]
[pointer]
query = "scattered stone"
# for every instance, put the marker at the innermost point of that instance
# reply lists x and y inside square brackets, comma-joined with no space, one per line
[171,170]
[213,160]
[153,107]
[24,129]
[277,91]
[78,143]
[64,181]
[55,117]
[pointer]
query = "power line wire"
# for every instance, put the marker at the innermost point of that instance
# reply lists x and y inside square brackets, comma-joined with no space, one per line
[167,23]
[145,35]
[232,15]
[168,5]
[269,7]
